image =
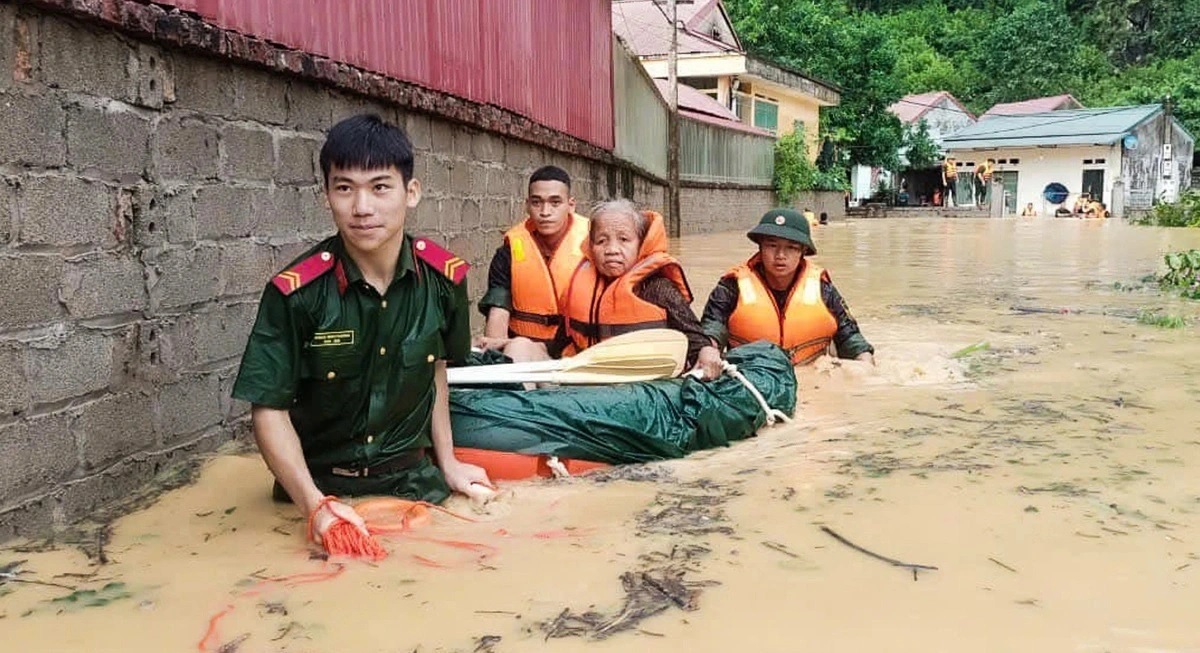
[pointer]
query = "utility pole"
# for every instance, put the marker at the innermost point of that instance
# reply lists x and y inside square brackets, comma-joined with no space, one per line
[673,218]
[1168,186]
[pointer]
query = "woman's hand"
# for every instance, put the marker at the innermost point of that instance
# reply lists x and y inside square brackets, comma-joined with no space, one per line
[709,363]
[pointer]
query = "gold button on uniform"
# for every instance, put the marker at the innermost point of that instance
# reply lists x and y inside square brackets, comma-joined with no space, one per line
[429,358]
[370,439]
[331,375]
[383,351]
[383,303]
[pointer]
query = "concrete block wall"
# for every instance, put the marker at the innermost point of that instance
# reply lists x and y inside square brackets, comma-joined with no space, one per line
[147,194]
[711,209]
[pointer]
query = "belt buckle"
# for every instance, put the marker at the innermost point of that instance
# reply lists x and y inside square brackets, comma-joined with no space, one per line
[350,473]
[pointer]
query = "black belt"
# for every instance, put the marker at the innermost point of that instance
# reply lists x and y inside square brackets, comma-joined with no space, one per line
[395,464]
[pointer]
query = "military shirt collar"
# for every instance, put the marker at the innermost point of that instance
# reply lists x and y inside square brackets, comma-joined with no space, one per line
[348,273]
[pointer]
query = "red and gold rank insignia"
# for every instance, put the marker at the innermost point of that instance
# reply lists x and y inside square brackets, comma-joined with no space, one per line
[453,267]
[302,273]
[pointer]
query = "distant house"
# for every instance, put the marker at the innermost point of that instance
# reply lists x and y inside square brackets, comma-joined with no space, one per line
[1036,105]
[1085,150]
[711,59]
[943,114]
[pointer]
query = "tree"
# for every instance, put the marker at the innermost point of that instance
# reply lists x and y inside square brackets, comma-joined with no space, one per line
[854,50]
[920,150]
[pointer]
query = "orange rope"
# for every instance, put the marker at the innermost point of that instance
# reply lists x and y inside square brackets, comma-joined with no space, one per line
[344,538]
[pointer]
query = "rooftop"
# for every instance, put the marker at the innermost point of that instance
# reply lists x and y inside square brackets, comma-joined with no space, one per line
[910,108]
[1103,126]
[1036,105]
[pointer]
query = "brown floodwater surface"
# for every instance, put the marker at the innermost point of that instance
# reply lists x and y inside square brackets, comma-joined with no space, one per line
[1048,473]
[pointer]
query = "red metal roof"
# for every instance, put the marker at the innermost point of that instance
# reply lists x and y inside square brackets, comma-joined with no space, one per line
[911,108]
[515,54]
[643,25]
[1036,105]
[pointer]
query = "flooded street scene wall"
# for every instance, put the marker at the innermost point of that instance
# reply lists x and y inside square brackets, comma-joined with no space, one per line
[993,449]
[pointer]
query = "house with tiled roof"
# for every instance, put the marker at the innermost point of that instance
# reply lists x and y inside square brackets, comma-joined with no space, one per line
[940,110]
[711,60]
[1036,105]
[1126,156]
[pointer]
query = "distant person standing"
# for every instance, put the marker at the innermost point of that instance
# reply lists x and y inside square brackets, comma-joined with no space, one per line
[949,179]
[983,177]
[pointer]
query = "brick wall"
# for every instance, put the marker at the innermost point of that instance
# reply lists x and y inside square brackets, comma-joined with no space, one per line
[148,192]
[708,209]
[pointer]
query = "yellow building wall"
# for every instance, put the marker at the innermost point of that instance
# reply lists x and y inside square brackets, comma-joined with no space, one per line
[806,110]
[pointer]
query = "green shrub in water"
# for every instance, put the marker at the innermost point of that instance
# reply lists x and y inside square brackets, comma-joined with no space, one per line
[1184,213]
[1183,273]
[1162,320]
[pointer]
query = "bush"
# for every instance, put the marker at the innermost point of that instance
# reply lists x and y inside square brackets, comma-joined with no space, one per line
[795,173]
[1183,273]
[1184,213]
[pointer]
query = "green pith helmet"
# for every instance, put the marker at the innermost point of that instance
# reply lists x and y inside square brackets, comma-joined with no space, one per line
[786,224]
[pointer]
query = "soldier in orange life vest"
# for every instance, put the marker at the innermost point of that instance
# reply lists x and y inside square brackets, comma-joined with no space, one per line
[949,179]
[529,273]
[780,296]
[983,180]
[628,282]
[345,367]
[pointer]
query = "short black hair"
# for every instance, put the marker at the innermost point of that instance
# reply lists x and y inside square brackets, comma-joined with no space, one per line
[550,173]
[367,142]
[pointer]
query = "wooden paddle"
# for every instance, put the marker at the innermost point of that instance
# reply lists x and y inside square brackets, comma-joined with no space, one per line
[639,356]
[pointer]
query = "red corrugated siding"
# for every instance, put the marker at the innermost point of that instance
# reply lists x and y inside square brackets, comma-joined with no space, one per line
[549,60]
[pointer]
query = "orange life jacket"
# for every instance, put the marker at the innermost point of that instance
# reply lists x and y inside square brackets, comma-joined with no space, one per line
[985,171]
[804,328]
[538,286]
[597,308]
[950,169]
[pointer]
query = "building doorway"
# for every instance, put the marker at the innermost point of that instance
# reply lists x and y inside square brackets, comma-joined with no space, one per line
[1093,184]
[1009,179]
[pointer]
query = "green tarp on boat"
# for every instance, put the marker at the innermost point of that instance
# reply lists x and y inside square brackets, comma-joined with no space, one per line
[628,423]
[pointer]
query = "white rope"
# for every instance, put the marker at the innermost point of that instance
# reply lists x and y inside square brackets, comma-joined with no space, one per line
[771,413]
[557,468]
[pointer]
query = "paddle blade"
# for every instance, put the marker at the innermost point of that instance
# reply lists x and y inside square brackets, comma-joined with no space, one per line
[631,357]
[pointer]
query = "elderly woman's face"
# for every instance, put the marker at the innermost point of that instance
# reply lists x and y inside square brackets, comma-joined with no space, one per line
[615,243]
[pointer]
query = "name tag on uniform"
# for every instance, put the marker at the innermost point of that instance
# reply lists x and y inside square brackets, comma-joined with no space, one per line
[332,339]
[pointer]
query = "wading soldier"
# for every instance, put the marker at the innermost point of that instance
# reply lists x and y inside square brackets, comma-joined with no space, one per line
[346,364]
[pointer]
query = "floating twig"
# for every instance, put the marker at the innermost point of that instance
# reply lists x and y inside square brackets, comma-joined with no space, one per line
[11,577]
[891,561]
[1003,565]
[775,546]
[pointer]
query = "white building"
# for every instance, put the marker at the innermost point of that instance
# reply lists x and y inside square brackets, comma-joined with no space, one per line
[943,115]
[1084,150]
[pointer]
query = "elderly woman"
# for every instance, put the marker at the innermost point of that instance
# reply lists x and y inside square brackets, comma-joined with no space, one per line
[780,296]
[627,282]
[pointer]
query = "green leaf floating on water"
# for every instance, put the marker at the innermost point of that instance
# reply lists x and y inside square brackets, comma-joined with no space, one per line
[971,349]
[79,599]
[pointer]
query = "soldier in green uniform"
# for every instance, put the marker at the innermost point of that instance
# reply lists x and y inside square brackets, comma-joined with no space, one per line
[346,364]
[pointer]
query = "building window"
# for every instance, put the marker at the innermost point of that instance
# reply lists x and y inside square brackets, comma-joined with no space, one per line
[1099,161]
[1014,161]
[759,111]
[1087,162]
[766,114]
[1002,162]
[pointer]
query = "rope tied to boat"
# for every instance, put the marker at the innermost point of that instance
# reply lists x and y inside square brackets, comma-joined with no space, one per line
[771,413]
[557,467]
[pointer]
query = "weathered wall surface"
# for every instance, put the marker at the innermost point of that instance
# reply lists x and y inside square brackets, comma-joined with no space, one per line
[151,181]
[708,209]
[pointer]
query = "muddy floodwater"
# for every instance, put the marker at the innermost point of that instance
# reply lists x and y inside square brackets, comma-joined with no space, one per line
[1023,433]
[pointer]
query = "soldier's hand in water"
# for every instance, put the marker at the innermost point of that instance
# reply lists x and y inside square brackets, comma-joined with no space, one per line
[460,476]
[709,363]
[330,513]
[484,342]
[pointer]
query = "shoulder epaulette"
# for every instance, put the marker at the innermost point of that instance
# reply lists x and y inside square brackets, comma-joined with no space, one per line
[303,272]
[440,259]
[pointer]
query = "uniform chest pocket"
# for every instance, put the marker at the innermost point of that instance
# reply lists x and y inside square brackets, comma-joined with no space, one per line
[331,363]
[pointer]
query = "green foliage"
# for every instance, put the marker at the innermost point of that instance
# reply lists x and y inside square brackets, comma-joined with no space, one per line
[1183,213]
[1104,52]
[1162,320]
[1183,273]
[920,150]
[80,599]
[795,173]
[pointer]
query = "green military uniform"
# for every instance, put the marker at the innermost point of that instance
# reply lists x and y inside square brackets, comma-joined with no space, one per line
[355,369]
